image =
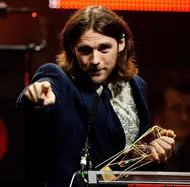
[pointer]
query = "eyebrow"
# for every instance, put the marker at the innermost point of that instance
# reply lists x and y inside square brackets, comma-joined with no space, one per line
[99,46]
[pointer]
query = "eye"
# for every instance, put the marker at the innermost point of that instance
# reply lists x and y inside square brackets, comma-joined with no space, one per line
[85,50]
[104,48]
[175,108]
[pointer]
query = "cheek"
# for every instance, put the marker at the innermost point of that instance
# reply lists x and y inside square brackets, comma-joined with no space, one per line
[82,60]
[111,59]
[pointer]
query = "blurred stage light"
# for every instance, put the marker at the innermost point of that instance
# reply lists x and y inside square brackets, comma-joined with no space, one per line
[133,5]
[3,139]
[34,14]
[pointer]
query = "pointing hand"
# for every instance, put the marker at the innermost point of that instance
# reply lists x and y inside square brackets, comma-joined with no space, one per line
[40,93]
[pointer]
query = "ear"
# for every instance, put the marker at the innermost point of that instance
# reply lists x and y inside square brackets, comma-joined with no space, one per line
[121,43]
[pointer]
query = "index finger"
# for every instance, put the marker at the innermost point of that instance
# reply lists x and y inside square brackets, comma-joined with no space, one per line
[46,85]
[168,140]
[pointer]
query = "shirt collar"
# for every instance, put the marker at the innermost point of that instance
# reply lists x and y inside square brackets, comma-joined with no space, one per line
[116,89]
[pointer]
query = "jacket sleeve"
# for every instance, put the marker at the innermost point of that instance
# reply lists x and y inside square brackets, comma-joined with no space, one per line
[152,166]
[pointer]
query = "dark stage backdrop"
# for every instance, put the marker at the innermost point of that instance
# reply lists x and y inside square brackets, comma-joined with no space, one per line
[162,42]
[11,84]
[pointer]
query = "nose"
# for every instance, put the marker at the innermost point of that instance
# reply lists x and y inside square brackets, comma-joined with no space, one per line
[95,57]
[184,116]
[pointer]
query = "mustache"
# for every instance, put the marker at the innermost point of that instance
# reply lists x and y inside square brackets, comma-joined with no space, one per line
[94,69]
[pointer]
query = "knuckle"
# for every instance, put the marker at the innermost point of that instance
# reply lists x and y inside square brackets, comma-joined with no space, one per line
[169,147]
[26,93]
[30,88]
[36,84]
[162,153]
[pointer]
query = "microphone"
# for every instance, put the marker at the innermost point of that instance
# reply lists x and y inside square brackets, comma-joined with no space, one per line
[85,153]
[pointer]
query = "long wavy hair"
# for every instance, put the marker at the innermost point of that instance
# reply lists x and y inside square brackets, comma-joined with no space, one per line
[104,21]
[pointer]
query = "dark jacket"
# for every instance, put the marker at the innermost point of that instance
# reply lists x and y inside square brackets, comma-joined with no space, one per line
[59,130]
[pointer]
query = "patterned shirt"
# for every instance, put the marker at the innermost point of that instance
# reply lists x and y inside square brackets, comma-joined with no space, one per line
[125,108]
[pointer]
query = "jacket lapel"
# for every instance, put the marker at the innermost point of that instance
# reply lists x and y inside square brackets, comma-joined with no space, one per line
[139,92]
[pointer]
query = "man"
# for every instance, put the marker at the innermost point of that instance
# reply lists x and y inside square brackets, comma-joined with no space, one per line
[171,110]
[93,102]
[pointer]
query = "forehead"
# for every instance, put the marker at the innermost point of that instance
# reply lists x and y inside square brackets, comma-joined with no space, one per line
[93,39]
[175,97]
